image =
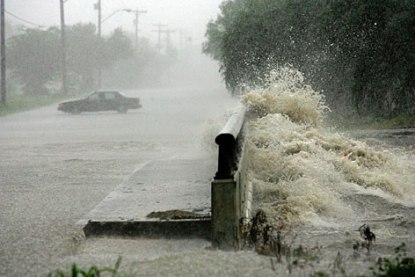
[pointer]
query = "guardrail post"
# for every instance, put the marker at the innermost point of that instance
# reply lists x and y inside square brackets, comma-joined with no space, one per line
[226,193]
[225,214]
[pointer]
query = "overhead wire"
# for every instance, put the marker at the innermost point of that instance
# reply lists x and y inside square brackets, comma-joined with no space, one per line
[24,20]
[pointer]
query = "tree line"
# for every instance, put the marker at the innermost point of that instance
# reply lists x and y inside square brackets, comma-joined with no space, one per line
[34,68]
[360,54]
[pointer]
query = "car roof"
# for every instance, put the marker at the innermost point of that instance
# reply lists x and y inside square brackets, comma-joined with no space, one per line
[106,91]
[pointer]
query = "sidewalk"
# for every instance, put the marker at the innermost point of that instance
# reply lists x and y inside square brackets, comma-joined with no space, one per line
[163,198]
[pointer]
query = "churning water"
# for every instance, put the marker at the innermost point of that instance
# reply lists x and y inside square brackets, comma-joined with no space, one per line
[318,186]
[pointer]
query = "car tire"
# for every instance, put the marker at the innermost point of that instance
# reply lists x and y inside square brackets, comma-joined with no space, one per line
[122,110]
[75,110]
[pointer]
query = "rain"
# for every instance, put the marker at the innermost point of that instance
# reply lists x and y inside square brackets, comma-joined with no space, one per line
[110,120]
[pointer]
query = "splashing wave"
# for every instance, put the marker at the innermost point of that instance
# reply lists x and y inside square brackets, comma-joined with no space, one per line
[300,171]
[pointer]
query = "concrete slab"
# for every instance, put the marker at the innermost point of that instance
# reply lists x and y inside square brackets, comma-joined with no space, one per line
[158,186]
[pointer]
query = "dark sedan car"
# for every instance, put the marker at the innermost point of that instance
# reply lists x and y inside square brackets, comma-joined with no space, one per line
[101,101]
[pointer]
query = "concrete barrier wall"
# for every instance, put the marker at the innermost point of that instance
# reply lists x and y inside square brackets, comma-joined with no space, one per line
[231,193]
[245,189]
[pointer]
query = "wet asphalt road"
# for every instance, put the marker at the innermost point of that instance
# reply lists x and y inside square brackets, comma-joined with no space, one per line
[393,137]
[56,167]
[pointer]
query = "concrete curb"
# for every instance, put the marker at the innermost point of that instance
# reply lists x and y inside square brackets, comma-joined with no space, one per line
[163,186]
[200,228]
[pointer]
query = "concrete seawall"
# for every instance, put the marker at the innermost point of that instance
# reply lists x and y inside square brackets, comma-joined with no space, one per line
[231,193]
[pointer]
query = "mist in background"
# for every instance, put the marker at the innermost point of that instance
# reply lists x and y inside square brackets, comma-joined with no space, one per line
[164,51]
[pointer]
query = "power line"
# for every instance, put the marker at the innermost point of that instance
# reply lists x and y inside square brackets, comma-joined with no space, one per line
[3,55]
[24,20]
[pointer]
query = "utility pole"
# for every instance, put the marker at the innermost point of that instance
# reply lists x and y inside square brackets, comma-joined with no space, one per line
[184,38]
[99,17]
[63,48]
[168,32]
[160,26]
[137,13]
[3,54]
[98,7]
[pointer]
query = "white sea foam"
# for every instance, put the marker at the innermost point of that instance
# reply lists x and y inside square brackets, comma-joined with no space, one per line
[303,173]
[288,95]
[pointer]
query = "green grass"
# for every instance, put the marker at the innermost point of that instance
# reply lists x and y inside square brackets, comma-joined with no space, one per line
[93,271]
[400,121]
[15,104]
[400,266]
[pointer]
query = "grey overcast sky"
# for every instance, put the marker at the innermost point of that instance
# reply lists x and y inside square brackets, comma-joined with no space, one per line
[189,15]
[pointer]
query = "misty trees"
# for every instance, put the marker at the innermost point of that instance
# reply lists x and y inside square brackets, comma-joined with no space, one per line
[34,60]
[82,53]
[81,45]
[144,68]
[251,37]
[34,56]
[375,40]
[357,51]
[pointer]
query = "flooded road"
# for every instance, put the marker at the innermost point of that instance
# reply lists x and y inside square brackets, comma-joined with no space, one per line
[56,167]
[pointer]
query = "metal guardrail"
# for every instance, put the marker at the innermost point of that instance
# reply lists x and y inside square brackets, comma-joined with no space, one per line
[231,194]
[229,141]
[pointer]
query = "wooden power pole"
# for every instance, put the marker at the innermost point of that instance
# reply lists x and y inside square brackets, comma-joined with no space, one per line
[63,48]
[159,31]
[3,54]
[99,46]
[137,14]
